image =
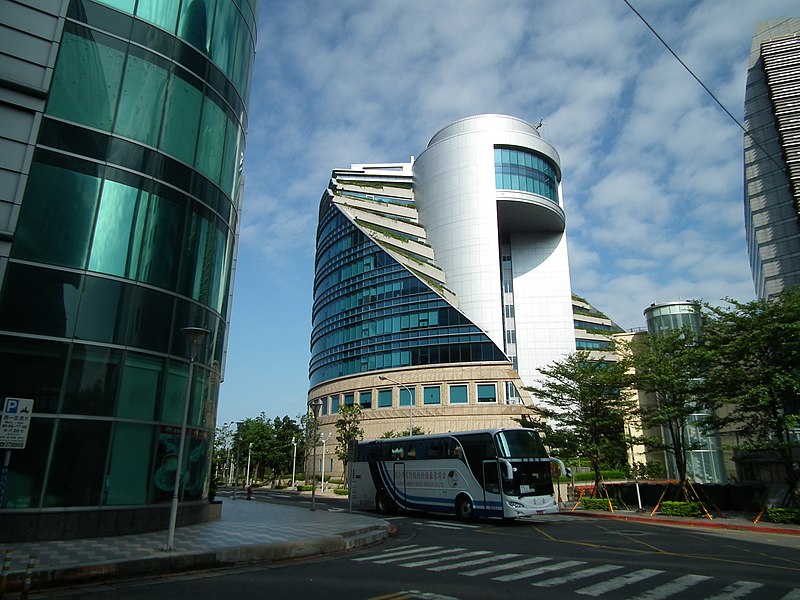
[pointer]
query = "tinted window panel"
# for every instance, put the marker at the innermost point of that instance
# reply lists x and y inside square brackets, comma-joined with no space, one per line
[86,80]
[78,471]
[181,119]
[92,382]
[112,232]
[42,301]
[56,217]
[141,103]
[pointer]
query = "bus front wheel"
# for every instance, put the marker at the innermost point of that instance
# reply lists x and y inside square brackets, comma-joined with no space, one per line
[383,503]
[465,511]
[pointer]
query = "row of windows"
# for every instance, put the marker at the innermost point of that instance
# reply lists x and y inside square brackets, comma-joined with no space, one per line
[428,354]
[65,304]
[376,328]
[517,169]
[103,83]
[378,198]
[222,30]
[139,166]
[592,344]
[591,325]
[77,220]
[431,395]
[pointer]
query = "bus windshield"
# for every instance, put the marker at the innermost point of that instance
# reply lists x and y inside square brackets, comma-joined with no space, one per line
[520,443]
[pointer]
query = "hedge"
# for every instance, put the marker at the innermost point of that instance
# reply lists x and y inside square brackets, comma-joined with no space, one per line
[597,504]
[605,475]
[682,509]
[784,515]
[340,492]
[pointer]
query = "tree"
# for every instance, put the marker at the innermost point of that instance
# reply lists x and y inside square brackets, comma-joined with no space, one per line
[395,434]
[278,451]
[754,357]
[348,429]
[670,365]
[584,400]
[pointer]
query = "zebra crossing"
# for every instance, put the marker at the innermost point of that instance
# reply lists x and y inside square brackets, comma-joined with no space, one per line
[544,572]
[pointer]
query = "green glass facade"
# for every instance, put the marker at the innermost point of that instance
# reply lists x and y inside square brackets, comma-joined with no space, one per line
[126,233]
[371,313]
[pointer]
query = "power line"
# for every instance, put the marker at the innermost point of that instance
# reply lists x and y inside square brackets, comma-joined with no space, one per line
[705,87]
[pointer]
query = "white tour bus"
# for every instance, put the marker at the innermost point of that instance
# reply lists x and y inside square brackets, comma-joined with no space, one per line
[487,473]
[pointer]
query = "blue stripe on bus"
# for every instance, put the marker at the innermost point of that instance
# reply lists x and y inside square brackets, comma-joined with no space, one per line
[423,503]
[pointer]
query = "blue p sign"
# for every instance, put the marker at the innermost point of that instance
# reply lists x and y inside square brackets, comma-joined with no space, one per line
[12,405]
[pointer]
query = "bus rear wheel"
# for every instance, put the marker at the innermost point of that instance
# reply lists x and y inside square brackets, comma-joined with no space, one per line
[465,511]
[383,504]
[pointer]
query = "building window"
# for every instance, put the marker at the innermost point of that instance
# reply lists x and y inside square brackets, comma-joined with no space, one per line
[349,399]
[487,392]
[518,169]
[365,399]
[432,395]
[324,410]
[407,396]
[458,394]
[334,405]
[384,398]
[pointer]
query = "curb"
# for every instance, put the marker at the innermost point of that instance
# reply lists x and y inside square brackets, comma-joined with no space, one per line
[207,559]
[685,523]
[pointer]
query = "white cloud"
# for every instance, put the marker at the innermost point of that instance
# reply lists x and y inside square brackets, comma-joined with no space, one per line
[652,167]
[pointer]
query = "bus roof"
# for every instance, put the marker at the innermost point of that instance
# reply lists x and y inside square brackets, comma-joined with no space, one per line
[428,436]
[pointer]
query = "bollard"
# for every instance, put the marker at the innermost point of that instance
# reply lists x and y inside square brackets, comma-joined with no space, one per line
[6,569]
[26,586]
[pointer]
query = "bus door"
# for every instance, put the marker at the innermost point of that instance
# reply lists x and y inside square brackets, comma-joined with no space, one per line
[399,476]
[491,485]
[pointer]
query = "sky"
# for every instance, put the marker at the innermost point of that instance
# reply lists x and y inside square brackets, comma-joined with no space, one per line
[651,165]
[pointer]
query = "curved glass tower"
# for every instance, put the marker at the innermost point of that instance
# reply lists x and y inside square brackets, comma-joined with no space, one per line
[119,229]
[441,284]
[705,462]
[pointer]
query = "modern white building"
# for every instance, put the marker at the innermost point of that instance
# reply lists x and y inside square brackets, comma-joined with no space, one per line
[772,156]
[442,284]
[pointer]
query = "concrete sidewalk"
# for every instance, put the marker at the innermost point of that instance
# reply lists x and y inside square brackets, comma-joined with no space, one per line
[260,532]
[734,521]
[247,532]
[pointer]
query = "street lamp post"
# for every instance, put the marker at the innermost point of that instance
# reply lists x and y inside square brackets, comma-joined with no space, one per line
[324,441]
[410,401]
[315,406]
[635,471]
[194,338]
[294,459]
[249,452]
[238,442]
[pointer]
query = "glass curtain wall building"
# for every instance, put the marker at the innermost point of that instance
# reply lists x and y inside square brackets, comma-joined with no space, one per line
[705,463]
[442,284]
[124,125]
[772,157]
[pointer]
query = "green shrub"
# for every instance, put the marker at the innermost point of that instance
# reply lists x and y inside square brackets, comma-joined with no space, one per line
[340,492]
[682,509]
[305,488]
[598,504]
[784,515]
[606,476]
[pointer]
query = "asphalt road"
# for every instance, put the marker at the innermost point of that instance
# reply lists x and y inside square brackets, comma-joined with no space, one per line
[558,556]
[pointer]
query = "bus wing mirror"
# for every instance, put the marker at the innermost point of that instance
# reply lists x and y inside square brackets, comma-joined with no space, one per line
[508,470]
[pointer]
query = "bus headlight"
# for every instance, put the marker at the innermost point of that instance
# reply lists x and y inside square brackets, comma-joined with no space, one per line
[514,504]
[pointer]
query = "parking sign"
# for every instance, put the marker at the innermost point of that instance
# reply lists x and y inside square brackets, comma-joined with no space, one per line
[16,420]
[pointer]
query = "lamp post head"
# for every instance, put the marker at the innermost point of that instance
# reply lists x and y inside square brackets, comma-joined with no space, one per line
[194,337]
[315,406]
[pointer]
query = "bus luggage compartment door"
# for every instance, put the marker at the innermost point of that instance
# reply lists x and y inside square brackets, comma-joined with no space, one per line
[399,476]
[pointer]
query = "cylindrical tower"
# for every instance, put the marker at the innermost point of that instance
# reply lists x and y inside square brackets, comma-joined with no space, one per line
[120,229]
